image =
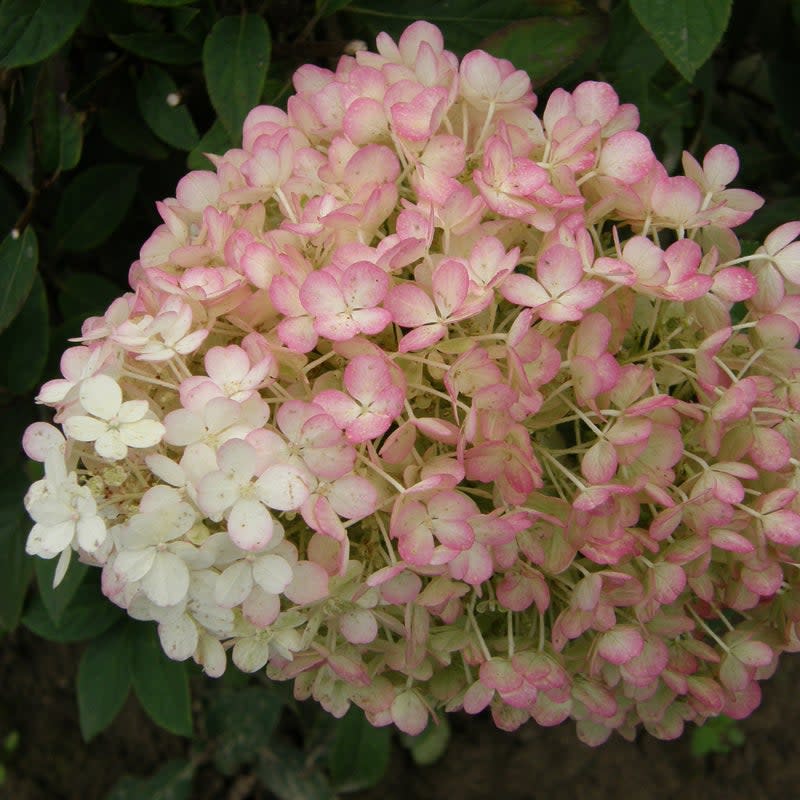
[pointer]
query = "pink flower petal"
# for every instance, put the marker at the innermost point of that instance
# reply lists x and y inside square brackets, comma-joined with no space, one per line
[364,285]
[721,165]
[450,286]
[410,306]
[320,294]
[524,291]
[626,156]
[309,583]
[409,713]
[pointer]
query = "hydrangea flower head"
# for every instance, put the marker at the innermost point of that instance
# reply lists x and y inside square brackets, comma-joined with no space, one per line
[427,402]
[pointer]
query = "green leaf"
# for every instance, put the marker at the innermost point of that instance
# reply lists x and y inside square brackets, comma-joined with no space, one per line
[104,681]
[172,782]
[466,22]
[717,735]
[85,294]
[31,30]
[88,615]
[93,205]
[430,745]
[235,59]
[360,753]
[687,31]
[242,721]
[631,59]
[172,124]
[25,343]
[17,567]
[187,22]
[161,3]
[769,217]
[215,140]
[168,48]
[544,46]
[784,72]
[70,140]
[58,128]
[9,205]
[16,155]
[122,124]
[14,418]
[161,685]
[57,599]
[18,260]
[327,7]
[290,775]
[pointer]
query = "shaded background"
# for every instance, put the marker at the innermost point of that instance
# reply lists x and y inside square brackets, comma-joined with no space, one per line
[87,144]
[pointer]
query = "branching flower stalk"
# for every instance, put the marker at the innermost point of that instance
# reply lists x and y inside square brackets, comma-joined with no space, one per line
[426,402]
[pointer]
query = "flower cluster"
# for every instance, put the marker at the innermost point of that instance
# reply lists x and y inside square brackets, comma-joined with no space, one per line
[426,402]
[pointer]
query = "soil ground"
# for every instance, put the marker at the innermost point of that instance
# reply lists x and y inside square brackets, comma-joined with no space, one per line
[52,763]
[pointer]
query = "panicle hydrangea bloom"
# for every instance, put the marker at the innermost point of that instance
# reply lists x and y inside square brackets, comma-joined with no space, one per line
[427,402]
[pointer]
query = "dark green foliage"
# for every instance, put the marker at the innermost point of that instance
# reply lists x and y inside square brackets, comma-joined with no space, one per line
[172,782]
[718,736]
[25,343]
[18,258]
[104,680]
[235,60]
[242,721]
[161,685]
[88,615]
[360,753]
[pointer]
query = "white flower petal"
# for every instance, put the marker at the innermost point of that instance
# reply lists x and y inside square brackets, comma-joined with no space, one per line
[260,608]
[272,573]
[101,396]
[237,458]
[179,637]
[167,581]
[62,566]
[41,438]
[250,654]
[84,429]
[286,643]
[141,532]
[211,656]
[217,493]
[177,521]
[91,533]
[221,413]
[144,433]
[194,557]
[134,564]
[159,499]
[234,584]
[132,411]
[55,468]
[165,469]
[110,445]
[250,525]
[50,511]
[183,427]
[48,541]
[190,343]
[284,487]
